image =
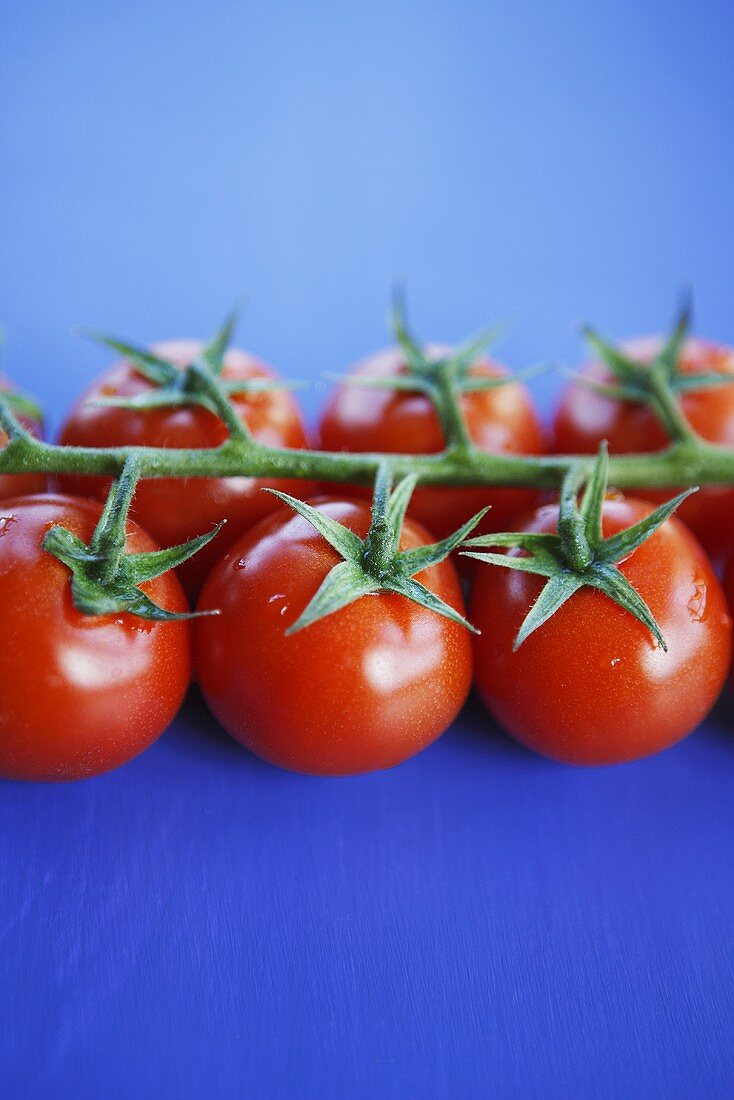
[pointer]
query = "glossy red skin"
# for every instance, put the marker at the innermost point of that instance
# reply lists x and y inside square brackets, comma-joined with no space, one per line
[14,485]
[174,510]
[500,420]
[363,689]
[584,419]
[79,694]
[592,686]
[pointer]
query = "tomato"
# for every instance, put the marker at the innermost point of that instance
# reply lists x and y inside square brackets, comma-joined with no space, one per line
[79,694]
[500,420]
[584,419]
[364,688]
[592,686]
[175,510]
[13,485]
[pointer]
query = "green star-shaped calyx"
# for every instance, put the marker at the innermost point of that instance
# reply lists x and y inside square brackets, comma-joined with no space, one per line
[375,563]
[656,383]
[105,579]
[428,374]
[578,555]
[199,383]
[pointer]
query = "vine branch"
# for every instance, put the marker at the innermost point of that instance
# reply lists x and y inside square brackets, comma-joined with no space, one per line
[691,461]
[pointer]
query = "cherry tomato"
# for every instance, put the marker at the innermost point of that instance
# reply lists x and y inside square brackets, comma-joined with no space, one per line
[364,688]
[79,694]
[500,420]
[175,510]
[13,485]
[585,418]
[592,686]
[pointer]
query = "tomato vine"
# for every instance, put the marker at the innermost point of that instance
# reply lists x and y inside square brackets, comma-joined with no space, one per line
[688,459]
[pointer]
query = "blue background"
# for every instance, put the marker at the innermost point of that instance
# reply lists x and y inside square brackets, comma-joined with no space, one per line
[478,922]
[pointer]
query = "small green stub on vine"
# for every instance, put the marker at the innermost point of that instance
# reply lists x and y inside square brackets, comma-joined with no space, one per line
[105,579]
[375,563]
[578,555]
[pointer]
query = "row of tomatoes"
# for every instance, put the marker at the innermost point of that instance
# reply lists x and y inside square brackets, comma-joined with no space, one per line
[377,681]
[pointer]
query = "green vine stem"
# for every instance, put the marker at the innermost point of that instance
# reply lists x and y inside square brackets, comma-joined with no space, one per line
[692,461]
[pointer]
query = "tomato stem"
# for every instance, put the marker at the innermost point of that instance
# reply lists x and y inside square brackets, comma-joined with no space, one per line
[692,461]
[571,524]
[108,540]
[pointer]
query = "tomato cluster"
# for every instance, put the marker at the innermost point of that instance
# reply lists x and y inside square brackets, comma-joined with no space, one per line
[378,680]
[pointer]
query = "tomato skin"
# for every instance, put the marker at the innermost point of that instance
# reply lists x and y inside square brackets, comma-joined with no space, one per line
[13,485]
[79,694]
[174,510]
[583,419]
[591,686]
[363,689]
[500,420]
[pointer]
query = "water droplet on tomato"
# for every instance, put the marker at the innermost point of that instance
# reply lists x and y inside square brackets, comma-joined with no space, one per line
[697,603]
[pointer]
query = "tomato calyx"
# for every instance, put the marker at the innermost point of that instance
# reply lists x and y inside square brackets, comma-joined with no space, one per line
[105,579]
[440,378]
[199,383]
[578,555]
[658,384]
[375,563]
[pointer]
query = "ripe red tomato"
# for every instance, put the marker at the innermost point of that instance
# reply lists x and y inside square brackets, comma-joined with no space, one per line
[592,686]
[500,420]
[585,418]
[173,510]
[79,694]
[364,688]
[13,485]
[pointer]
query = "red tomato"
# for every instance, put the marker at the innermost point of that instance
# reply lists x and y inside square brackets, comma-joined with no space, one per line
[584,419]
[500,420]
[13,485]
[592,686]
[173,510]
[79,694]
[365,688]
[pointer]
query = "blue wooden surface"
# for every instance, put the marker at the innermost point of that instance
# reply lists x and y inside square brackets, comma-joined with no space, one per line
[478,922]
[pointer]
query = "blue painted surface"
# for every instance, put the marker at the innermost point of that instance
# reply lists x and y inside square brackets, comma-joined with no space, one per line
[478,922]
